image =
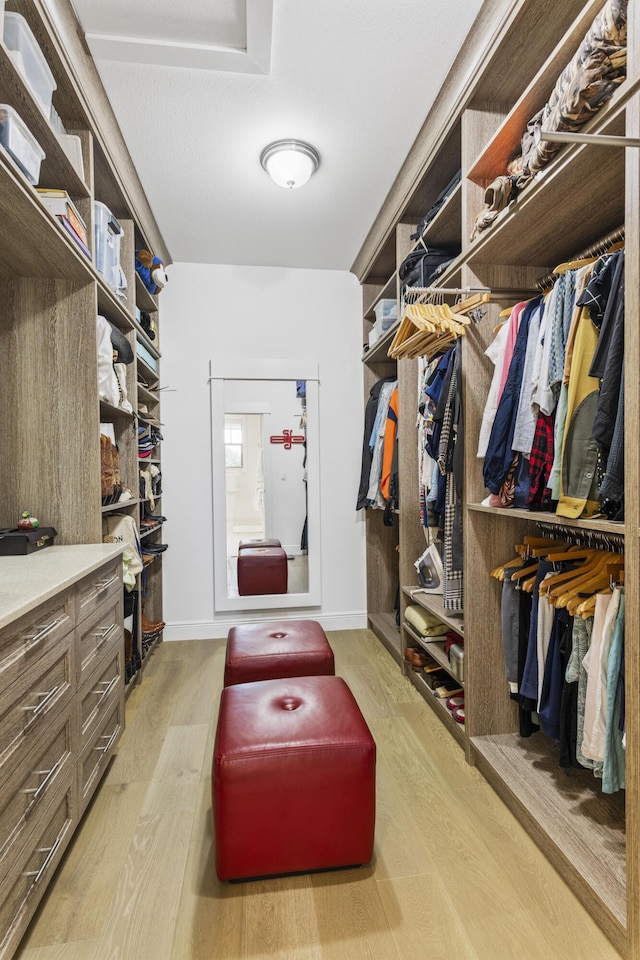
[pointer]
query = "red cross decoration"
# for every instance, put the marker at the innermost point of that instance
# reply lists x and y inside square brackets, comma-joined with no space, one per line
[288,438]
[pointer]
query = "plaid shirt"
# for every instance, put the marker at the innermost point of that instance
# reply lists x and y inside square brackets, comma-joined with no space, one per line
[541,460]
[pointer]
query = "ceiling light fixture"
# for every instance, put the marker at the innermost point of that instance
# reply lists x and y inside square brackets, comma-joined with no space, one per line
[290,163]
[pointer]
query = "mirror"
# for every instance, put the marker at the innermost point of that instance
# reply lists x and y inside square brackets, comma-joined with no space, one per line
[265,484]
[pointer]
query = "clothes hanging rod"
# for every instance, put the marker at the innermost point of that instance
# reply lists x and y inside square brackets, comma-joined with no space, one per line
[451,290]
[594,139]
[595,250]
[582,536]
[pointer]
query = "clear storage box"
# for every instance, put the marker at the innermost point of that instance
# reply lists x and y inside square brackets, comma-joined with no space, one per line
[29,59]
[386,312]
[108,233]
[20,144]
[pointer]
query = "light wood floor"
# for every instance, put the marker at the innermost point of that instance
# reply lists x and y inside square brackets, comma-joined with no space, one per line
[454,875]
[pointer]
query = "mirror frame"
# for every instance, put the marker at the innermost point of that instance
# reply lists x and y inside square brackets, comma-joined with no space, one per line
[220,370]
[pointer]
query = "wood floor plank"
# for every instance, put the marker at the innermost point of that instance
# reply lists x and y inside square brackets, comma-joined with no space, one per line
[176,778]
[350,916]
[77,905]
[144,906]
[424,921]
[76,950]
[439,746]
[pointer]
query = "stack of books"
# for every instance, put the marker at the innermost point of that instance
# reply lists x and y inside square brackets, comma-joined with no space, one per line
[60,204]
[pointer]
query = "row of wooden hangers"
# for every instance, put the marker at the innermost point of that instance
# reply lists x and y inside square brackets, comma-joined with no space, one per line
[595,571]
[426,328]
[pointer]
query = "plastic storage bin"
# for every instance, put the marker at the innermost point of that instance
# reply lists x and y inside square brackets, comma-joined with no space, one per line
[386,312]
[29,59]
[20,144]
[108,233]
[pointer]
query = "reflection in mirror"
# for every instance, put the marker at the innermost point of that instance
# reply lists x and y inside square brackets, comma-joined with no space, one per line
[252,467]
[266,488]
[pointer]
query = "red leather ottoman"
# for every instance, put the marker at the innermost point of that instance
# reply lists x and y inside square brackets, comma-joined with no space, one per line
[262,570]
[293,784]
[279,648]
[252,544]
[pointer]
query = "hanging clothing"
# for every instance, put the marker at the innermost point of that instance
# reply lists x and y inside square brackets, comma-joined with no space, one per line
[367,452]
[389,443]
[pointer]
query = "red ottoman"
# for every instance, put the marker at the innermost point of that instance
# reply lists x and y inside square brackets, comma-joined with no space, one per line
[252,544]
[262,570]
[293,784]
[280,648]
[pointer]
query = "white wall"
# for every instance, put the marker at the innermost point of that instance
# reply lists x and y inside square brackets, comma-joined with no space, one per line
[258,312]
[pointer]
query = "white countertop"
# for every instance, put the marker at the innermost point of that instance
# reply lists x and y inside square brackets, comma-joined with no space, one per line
[28,581]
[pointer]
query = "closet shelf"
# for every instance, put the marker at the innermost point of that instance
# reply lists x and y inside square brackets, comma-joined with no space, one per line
[146,395]
[124,504]
[388,292]
[505,143]
[107,410]
[582,829]
[151,345]
[445,228]
[566,184]
[435,649]
[387,631]
[378,353]
[439,706]
[117,309]
[144,299]
[539,516]
[34,243]
[56,171]
[433,603]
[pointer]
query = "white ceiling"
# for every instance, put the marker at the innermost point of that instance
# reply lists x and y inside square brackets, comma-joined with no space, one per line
[199,87]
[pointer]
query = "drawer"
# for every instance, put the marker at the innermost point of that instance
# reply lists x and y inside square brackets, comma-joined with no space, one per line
[24,642]
[28,876]
[99,586]
[94,760]
[26,794]
[28,706]
[98,693]
[104,628]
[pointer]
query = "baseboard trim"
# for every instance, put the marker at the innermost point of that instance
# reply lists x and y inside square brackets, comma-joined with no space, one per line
[218,629]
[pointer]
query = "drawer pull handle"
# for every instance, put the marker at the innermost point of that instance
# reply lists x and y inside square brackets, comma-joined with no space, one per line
[103,635]
[107,685]
[103,584]
[41,632]
[44,703]
[50,852]
[38,791]
[109,738]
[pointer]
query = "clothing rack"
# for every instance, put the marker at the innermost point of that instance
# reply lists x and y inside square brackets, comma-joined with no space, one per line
[596,250]
[432,291]
[584,538]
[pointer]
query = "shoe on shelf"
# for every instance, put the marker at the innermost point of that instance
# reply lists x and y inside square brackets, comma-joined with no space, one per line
[459,715]
[151,626]
[454,702]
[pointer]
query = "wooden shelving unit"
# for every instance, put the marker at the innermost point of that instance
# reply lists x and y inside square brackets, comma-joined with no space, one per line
[502,76]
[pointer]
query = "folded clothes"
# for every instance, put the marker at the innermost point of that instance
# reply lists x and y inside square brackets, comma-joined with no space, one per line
[425,622]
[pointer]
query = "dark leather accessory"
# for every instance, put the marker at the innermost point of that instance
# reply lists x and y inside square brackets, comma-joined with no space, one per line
[18,543]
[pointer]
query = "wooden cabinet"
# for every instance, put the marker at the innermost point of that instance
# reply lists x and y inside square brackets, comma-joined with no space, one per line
[503,75]
[61,712]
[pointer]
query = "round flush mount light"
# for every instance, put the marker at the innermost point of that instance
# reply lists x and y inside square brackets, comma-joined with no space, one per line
[290,163]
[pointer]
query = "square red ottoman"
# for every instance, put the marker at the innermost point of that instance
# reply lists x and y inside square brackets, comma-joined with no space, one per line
[262,570]
[252,544]
[279,648]
[293,780]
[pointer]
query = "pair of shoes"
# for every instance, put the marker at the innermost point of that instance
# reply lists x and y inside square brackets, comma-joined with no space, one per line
[454,702]
[155,547]
[459,715]
[151,626]
[417,658]
[150,516]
